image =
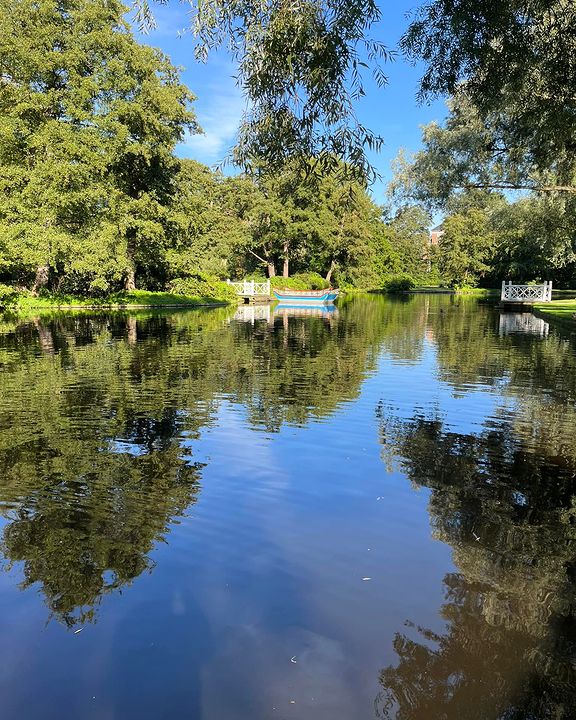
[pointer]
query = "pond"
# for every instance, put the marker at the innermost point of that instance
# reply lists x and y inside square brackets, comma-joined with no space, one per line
[221,515]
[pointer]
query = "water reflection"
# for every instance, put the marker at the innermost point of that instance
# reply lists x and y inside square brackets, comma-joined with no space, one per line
[211,484]
[253,313]
[323,311]
[524,323]
[507,508]
[96,417]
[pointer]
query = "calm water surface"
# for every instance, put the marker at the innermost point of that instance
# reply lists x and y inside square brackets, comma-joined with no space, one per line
[362,514]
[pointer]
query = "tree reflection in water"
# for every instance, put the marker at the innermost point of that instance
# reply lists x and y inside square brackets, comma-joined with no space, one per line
[98,413]
[507,507]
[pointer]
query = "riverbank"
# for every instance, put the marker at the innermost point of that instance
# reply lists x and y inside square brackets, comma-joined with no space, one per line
[563,311]
[135,299]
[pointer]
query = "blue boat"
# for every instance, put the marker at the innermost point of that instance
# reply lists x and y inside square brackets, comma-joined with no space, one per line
[307,297]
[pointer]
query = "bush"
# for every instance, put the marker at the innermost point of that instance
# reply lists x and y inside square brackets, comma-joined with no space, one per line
[312,280]
[8,295]
[203,286]
[300,281]
[399,283]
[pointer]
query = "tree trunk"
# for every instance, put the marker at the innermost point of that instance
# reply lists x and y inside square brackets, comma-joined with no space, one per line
[286,267]
[271,269]
[41,280]
[130,282]
[328,277]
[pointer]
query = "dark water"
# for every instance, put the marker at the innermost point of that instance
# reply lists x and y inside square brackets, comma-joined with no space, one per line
[363,514]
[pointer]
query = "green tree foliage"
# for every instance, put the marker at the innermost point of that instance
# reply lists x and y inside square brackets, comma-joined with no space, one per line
[464,248]
[462,168]
[300,66]
[89,121]
[514,62]
[94,199]
[299,222]
[471,152]
[408,235]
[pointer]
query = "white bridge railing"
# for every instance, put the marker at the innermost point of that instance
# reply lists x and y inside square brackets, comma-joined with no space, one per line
[250,287]
[526,293]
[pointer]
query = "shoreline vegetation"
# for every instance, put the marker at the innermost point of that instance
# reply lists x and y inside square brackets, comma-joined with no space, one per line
[22,302]
[562,311]
[136,299]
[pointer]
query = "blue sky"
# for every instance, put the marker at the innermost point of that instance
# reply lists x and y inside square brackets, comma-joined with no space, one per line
[391,112]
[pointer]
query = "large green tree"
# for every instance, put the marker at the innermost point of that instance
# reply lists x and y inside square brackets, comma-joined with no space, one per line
[89,120]
[514,60]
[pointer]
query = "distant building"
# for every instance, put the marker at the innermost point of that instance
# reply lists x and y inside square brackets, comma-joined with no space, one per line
[436,233]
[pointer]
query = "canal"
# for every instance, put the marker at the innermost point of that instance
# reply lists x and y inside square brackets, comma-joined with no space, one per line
[257,514]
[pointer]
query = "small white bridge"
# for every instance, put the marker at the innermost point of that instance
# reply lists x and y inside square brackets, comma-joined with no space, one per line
[526,293]
[251,288]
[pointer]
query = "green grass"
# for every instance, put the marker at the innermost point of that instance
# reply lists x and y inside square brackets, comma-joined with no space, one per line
[563,310]
[135,298]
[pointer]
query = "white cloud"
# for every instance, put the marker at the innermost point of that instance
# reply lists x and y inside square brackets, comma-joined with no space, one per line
[219,120]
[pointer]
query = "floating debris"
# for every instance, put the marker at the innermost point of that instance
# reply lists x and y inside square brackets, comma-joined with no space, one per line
[367,578]
[78,631]
[293,659]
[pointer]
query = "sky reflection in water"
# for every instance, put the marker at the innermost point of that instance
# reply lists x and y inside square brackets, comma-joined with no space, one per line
[361,514]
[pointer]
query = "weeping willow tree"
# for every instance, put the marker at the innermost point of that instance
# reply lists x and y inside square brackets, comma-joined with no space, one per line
[301,66]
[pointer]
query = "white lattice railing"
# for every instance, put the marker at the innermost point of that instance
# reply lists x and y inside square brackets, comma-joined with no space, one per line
[526,293]
[251,287]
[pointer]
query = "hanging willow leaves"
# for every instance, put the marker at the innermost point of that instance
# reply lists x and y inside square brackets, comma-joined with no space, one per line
[514,59]
[301,66]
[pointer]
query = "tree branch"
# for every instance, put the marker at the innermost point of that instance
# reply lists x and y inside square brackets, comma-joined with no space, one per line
[265,262]
[514,186]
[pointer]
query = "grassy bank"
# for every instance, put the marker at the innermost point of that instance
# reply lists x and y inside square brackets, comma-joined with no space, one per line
[135,299]
[561,310]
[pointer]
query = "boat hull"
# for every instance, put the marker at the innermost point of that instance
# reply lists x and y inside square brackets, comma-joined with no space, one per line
[306,297]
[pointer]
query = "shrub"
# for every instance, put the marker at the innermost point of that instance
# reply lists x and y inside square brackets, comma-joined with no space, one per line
[8,295]
[312,280]
[203,286]
[399,283]
[300,281]
[290,283]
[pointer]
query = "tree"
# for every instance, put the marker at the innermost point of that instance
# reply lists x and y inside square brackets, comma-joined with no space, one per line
[465,248]
[89,120]
[409,236]
[513,60]
[474,152]
[205,227]
[300,66]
